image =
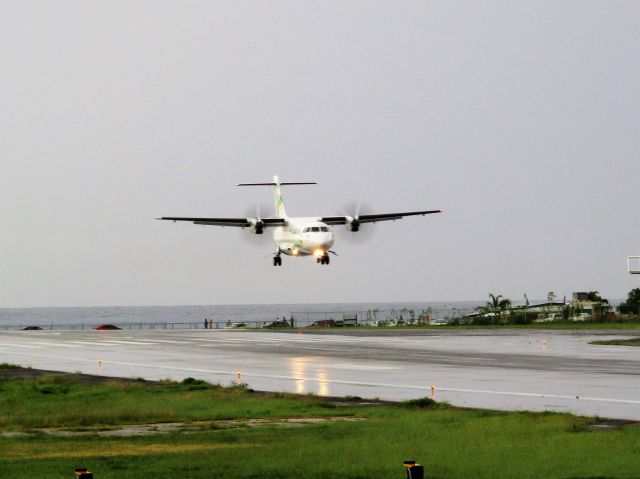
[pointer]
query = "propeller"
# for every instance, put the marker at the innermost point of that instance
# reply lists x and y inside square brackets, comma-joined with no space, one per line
[355,230]
[258,233]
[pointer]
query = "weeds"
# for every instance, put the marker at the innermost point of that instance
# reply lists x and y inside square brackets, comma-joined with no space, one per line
[8,366]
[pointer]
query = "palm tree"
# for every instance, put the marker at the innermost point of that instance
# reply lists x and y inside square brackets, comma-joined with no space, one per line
[496,303]
[595,297]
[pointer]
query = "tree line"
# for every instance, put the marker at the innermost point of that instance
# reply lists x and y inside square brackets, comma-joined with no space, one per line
[500,310]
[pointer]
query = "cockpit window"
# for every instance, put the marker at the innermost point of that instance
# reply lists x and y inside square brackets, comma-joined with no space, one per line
[315,229]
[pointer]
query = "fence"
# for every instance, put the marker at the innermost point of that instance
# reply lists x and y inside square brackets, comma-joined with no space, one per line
[141,325]
[371,318]
[375,317]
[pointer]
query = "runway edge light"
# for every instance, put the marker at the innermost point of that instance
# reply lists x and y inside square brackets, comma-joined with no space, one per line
[414,471]
[83,473]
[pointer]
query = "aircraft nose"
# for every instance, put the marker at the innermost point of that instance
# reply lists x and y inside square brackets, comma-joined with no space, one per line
[322,240]
[328,239]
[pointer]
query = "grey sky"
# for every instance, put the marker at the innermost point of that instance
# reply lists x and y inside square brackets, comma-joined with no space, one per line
[520,119]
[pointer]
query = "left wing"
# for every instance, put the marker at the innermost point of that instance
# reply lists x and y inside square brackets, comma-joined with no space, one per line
[343,220]
[237,222]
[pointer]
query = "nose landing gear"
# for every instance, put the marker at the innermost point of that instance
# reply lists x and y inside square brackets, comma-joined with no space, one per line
[277,260]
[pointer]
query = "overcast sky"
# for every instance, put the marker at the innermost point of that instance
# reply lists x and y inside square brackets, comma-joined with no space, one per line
[520,119]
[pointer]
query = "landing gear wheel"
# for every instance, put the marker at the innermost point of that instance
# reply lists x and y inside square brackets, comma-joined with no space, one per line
[326,259]
[277,261]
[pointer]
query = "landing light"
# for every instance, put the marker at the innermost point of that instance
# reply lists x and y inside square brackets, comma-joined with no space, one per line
[318,253]
[295,252]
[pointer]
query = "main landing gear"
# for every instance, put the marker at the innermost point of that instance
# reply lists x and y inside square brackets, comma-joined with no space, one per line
[277,260]
[323,259]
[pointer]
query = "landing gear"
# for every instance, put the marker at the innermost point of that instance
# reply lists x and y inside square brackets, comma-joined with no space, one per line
[277,260]
[323,259]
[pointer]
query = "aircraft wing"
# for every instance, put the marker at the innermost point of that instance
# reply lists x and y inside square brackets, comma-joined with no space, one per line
[237,222]
[342,220]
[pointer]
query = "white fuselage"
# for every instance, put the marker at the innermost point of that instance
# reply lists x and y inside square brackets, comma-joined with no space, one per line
[303,237]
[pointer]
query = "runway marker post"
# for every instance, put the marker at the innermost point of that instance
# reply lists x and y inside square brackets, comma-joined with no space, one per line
[414,471]
[433,392]
[83,473]
[238,380]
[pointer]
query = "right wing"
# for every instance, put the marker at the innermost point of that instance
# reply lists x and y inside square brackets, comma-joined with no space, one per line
[342,220]
[237,222]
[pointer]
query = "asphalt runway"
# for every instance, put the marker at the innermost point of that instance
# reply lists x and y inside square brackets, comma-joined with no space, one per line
[494,369]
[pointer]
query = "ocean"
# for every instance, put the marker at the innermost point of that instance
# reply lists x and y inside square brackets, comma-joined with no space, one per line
[248,313]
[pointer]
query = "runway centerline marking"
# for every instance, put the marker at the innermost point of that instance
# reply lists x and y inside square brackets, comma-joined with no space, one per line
[28,346]
[59,345]
[323,349]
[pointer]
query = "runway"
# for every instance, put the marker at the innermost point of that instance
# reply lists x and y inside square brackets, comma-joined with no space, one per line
[494,369]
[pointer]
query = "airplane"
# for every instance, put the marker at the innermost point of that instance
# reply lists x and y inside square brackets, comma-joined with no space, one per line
[298,236]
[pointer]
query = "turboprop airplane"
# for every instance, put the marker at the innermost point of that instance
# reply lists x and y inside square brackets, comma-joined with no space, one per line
[308,236]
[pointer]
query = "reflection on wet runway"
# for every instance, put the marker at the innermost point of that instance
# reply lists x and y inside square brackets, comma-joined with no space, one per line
[309,376]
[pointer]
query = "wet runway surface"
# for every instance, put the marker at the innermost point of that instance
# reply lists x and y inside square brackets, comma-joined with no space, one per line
[495,369]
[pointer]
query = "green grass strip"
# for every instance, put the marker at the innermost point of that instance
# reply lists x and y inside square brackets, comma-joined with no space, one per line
[449,442]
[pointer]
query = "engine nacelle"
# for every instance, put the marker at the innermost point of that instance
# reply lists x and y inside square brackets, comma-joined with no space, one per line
[353,224]
[258,227]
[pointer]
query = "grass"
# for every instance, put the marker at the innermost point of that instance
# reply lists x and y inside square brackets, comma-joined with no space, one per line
[586,325]
[65,401]
[556,325]
[619,342]
[449,442]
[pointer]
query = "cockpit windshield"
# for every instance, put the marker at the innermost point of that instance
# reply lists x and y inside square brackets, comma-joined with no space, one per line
[315,229]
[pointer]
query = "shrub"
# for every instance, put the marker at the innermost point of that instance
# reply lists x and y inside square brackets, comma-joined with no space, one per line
[422,403]
[192,384]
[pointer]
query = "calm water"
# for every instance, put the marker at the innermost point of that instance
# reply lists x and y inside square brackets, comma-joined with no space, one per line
[221,313]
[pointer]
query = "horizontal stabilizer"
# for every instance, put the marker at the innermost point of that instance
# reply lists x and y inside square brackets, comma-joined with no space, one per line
[281,184]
